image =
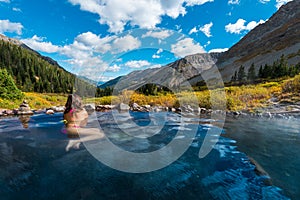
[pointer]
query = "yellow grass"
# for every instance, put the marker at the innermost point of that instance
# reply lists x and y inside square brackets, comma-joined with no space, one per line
[246,97]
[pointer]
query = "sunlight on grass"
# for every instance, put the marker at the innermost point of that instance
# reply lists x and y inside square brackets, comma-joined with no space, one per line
[245,97]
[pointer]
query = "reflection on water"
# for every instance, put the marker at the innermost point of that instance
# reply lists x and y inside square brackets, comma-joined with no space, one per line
[24,119]
[35,165]
[274,144]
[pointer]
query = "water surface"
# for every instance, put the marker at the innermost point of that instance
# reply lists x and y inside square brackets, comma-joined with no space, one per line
[35,165]
[275,144]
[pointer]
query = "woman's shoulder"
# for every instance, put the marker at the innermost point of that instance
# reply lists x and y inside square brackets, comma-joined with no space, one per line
[82,113]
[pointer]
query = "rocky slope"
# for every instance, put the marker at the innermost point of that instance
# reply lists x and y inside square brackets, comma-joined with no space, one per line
[171,76]
[263,45]
[266,42]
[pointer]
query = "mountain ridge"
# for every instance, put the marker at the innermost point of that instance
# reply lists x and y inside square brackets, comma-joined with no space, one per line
[279,35]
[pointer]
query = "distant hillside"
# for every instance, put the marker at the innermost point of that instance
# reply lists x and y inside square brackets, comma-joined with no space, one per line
[110,83]
[265,44]
[280,35]
[32,71]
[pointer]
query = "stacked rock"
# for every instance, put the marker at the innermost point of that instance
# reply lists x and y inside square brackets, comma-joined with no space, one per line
[24,109]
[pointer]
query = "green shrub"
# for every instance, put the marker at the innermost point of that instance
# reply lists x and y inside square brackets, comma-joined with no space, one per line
[8,88]
[292,85]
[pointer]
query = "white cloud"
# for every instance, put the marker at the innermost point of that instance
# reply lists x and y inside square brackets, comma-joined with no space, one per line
[38,44]
[186,47]
[114,68]
[17,9]
[155,66]
[234,2]
[159,51]
[87,51]
[264,1]
[218,50]
[193,30]
[279,3]
[92,41]
[240,26]
[208,43]
[125,43]
[11,27]
[196,2]
[5,1]
[137,64]
[158,34]
[142,13]
[206,29]
[81,54]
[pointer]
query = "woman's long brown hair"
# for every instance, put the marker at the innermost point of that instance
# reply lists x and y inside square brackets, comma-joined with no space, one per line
[73,102]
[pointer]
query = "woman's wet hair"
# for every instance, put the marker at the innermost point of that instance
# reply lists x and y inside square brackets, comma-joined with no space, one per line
[73,102]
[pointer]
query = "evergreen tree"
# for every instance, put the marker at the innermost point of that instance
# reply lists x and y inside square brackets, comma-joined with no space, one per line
[251,73]
[234,77]
[241,76]
[8,89]
[260,72]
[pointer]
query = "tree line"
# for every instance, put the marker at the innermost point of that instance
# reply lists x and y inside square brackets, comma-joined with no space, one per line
[278,69]
[32,73]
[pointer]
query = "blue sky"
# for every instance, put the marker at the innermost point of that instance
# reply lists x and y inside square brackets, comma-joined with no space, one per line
[102,39]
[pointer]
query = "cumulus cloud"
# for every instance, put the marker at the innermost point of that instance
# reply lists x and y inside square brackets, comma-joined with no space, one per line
[87,51]
[156,55]
[17,9]
[5,1]
[125,43]
[279,3]
[114,68]
[92,41]
[206,29]
[158,34]
[38,44]
[137,64]
[155,66]
[218,50]
[143,13]
[186,47]
[264,1]
[193,30]
[234,2]
[240,26]
[196,2]
[10,27]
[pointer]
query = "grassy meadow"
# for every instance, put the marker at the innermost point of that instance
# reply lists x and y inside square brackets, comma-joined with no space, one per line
[245,97]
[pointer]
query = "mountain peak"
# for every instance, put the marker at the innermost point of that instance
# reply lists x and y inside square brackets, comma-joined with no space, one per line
[10,40]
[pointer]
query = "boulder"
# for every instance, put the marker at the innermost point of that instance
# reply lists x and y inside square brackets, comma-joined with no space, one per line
[202,111]
[58,108]
[24,109]
[24,112]
[123,107]
[50,112]
[89,107]
[9,112]
[103,108]
[137,107]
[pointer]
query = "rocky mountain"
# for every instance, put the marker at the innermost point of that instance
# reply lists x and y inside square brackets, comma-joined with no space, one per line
[171,76]
[266,42]
[280,35]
